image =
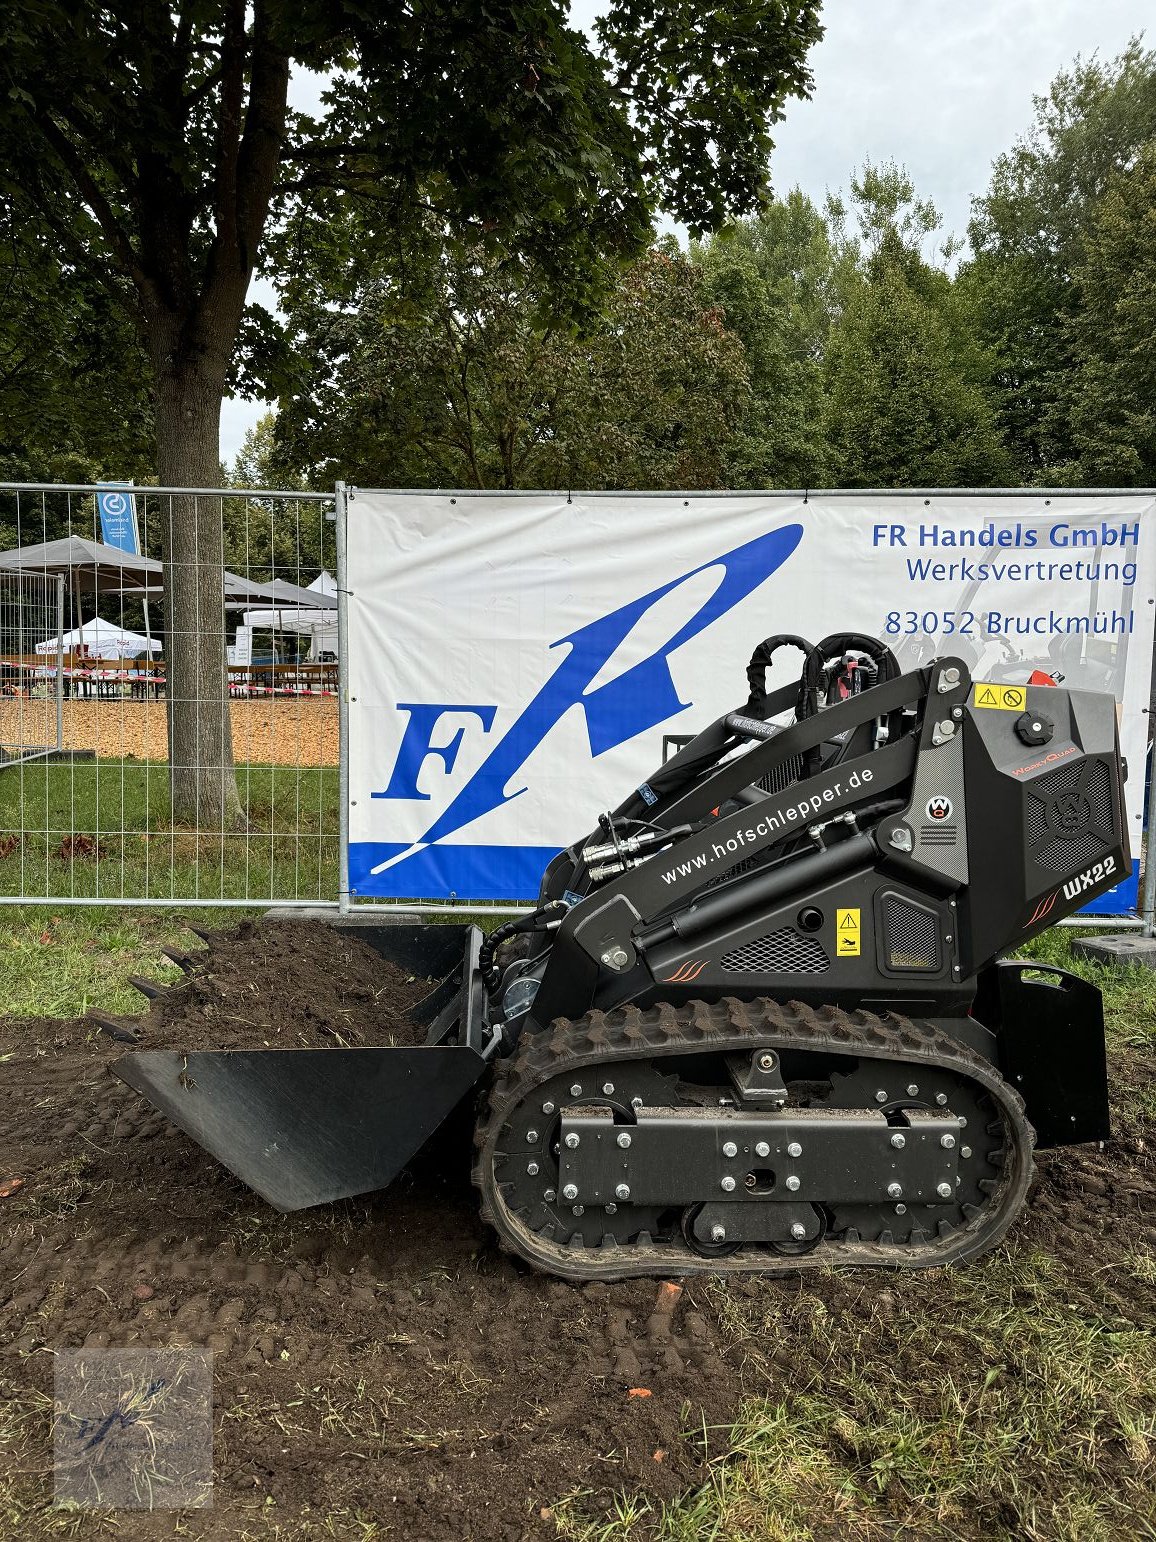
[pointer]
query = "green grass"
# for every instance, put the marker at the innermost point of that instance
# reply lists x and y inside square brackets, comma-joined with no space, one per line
[60,962]
[997,1409]
[96,829]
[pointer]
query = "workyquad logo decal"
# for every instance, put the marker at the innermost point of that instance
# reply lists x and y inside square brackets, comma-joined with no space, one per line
[1068,815]
[939,808]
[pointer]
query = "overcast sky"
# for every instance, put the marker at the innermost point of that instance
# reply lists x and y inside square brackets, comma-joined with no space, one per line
[941,86]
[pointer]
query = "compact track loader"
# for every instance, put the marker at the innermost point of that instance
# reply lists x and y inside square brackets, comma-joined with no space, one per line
[757,1020]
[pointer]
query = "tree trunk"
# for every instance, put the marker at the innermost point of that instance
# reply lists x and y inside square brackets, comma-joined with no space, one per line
[201,772]
[192,311]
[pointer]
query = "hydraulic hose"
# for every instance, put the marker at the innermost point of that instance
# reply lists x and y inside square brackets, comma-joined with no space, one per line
[540,920]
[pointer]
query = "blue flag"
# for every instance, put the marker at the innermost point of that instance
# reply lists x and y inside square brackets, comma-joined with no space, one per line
[118,517]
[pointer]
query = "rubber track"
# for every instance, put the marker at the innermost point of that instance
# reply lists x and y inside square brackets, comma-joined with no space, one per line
[633,1034]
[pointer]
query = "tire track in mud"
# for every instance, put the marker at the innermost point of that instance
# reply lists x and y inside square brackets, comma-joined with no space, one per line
[376,1356]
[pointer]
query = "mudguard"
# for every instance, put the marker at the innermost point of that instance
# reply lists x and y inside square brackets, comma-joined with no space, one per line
[1049,1027]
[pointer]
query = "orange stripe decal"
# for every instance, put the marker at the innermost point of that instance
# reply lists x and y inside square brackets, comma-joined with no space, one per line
[1043,908]
[686,972]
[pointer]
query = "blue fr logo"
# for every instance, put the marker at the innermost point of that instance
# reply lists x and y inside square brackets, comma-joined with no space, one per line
[641,697]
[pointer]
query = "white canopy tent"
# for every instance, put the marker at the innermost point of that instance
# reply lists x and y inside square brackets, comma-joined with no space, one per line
[318,622]
[103,639]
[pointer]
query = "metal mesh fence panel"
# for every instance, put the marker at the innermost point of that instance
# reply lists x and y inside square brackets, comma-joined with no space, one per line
[192,637]
[31,678]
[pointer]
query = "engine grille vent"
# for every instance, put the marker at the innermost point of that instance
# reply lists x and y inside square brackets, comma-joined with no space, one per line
[783,952]
[938,835]
[782,776]
[912,934]
[1069,816]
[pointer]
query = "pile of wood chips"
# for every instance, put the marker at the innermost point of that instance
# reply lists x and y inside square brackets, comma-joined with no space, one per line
[287,731]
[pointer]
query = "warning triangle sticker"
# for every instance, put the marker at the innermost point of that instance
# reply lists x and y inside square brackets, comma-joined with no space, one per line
[849,923]
[986,697]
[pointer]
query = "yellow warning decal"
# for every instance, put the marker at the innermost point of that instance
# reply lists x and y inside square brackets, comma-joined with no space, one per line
[1004,698]
[847,933]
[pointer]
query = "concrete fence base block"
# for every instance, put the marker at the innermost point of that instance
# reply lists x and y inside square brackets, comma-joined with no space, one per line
[1118,948]
[352,919]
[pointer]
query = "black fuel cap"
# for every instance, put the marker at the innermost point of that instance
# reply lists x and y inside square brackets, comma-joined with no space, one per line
[1034,728]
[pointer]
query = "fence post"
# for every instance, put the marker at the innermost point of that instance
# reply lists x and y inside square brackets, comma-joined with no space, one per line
[1148,901]
[60,662]
[341,510]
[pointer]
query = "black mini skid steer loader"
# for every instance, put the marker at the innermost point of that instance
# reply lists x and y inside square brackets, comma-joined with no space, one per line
[757,1019]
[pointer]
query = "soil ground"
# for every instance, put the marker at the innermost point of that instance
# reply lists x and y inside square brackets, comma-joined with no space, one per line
[380,1369]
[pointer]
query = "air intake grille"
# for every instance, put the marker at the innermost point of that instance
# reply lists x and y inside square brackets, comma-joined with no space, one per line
[912,934]
[782,776]
[938,835]
[782,952]
[1069,816]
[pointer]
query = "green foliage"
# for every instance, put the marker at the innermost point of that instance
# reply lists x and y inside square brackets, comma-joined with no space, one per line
[776,279]
[153,147]
[273,538]
[866,367]
[1113,409]
[789,353]
[706,82]
[906,402]
[457,239]
[1033,234]
[903,408]
[74,401]
[454,375]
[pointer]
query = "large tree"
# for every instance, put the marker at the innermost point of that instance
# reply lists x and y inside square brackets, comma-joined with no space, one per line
[454,377]
[907,383]
[778,279]
[1113,389]
[155,144]
[1030,234]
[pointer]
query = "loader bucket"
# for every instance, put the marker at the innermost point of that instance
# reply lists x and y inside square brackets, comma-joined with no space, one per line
[305,1126]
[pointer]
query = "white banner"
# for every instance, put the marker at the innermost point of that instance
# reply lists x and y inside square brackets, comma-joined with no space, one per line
[516,661]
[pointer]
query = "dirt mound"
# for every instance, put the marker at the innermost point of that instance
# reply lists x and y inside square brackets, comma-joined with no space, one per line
[296,983]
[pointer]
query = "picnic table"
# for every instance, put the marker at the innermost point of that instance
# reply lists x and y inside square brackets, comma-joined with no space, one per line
[143,679]
[104,679]
[306,679]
